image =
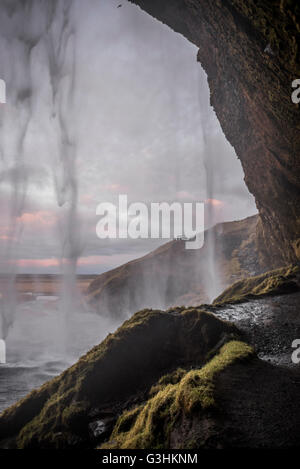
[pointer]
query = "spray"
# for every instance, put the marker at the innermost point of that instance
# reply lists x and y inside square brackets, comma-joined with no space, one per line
[27,30]
[62,67]
[211,277]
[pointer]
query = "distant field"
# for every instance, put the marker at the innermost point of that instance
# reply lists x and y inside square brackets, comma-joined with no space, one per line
[42,284]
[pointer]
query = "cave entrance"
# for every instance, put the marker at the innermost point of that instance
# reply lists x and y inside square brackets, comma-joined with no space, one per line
[152,133]
[139,124]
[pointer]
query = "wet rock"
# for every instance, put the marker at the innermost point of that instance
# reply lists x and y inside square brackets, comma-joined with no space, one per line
[98,427]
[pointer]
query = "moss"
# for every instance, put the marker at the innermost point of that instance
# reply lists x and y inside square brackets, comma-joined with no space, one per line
[170,378]
[279,281]
[127,420]
[153,422]
[115,373]
[57,414]
[58,403]
[149,429]
[196,389]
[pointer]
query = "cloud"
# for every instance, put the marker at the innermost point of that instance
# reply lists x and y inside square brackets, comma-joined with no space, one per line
[36,263]
[95,263]
[45,218]
[215,203]
[24,172]
[140,102]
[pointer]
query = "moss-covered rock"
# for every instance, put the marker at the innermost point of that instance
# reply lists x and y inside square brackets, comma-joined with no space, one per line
[165,379]
[158,371]
[274,282]
[149,426]
[113,375]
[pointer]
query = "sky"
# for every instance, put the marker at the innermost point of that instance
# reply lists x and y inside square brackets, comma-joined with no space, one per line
[132,110]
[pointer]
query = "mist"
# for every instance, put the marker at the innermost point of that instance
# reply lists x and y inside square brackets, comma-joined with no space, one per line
[101,100]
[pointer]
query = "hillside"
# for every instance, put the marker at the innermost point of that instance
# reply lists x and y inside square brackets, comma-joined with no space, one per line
[172,275]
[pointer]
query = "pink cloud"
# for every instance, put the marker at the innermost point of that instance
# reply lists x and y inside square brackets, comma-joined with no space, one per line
[91,260]
[52,262]
[86,198]
[7,238]
[215,203]
[117,188]
[44,217]
[185,195]
[37,262]
[96,260]
[100,260]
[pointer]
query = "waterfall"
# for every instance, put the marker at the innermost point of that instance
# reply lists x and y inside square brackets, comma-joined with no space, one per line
[37,35]
[211,276]
[60,45]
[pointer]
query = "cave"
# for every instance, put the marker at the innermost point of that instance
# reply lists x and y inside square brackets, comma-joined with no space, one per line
[250,52]
[196,373]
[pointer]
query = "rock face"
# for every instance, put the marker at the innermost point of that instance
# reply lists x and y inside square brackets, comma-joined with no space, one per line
[250,50]
[266,308]
[284,280]
[173,275]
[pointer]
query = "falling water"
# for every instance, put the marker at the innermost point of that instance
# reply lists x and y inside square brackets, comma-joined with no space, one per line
[16,71]
[30,31]
[211,277]
[60,45]
[40,48]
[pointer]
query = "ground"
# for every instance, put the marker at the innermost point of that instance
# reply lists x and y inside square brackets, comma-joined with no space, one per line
[176,378]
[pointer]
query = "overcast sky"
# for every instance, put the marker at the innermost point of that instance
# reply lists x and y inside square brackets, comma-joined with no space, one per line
[141,125]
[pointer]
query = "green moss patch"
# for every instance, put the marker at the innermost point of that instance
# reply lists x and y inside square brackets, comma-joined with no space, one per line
[150,425]
[115,373]
[63,403]
[274,282]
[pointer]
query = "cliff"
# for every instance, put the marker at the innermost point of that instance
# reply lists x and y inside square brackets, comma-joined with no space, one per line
[250,51]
